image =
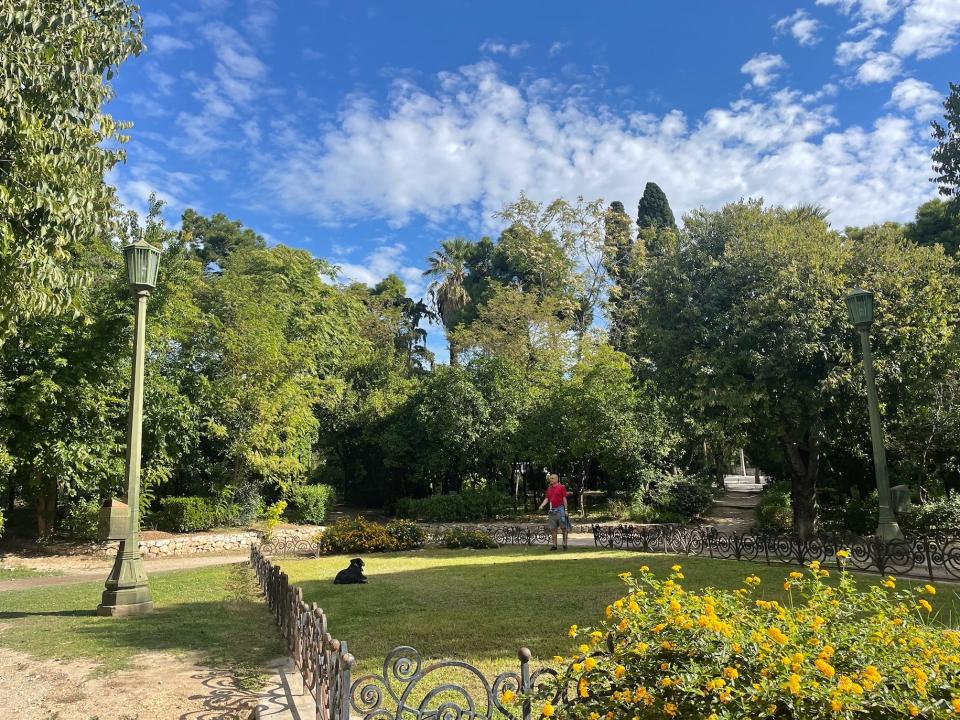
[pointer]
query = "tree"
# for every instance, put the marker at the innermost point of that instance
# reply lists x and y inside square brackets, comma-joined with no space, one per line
[653,210]
[946,156]
[620,257]
[213,239]
[447,290]
[56,144]
[937,223]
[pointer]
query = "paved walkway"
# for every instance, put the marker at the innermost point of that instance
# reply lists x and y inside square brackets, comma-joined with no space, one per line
[734,511]
[99,571]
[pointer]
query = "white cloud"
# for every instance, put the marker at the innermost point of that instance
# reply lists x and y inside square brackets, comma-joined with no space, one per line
[763,69]
[166,43]
[878,68]
[495,47]
[851,51]
[162,81]
[929,28]
[801,26]
[384,260]
[153,20]
[867,12]
[558,47]
[464,148]
[916,96]
[261,15]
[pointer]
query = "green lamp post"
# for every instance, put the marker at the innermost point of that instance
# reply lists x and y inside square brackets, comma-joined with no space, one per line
[860,311]
[127,592]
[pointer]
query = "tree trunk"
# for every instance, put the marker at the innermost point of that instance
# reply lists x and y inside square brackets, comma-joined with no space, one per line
[453,353]
[804,465]
[46,507]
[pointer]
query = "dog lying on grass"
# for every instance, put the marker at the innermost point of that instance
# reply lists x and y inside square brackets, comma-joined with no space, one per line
[351,575]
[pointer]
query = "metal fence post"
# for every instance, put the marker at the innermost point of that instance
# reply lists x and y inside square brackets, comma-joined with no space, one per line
[524,654]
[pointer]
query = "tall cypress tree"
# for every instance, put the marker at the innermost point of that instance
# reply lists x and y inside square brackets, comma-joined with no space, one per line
[618,253]
[654,210]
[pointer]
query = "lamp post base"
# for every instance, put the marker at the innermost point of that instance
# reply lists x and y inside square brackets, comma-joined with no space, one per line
[889,531]
[126,592]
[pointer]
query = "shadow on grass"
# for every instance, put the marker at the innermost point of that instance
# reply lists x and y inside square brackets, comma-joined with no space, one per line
[45,613]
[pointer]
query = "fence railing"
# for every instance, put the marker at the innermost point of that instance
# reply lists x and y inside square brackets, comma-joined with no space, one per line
[408,687]
[322,661]
[936,555]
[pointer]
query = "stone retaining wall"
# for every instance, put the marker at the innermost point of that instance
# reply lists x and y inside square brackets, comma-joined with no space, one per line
[203,543]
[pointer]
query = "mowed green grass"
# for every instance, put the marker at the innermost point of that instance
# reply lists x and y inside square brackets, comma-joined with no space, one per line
[211,611]
[18,572]
[481,606]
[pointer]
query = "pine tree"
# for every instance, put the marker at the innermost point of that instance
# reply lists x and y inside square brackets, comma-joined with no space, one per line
[946,156]
[653,209]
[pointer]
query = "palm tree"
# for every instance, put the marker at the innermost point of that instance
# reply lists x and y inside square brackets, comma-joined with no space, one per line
[448,292]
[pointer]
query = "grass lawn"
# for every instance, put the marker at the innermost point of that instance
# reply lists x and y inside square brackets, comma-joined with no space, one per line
[18,572]
[481,606]
[212,611]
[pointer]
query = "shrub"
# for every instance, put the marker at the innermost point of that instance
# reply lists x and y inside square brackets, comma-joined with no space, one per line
[354,535]
[855,515]
[186,514]
[832,652]
[81,520]
[239,505]
[271,516]
[672,498]
[456,538]
[406,535]
[1,523]
[942,513]
[467,506]
[310,503]
[774,511]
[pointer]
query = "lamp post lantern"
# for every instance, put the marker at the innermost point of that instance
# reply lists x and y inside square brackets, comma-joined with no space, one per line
[126,591]
[860,311]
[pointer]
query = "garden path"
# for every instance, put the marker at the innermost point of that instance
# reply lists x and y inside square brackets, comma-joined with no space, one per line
[734,510]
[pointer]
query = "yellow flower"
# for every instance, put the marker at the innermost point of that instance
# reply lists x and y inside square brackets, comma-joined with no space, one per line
[825,667]
[582,689]
[576,667]
[572,632]
[547,710]
[584,648]
[644,568]
[609,611]
[777,635]
[930,589]
[793,684]
[670,709]
[914,711]
[676,568]
[731,673]
[508,696]
[955,704]
[890,582]
[796,576]
[925,605]
[815,565]
[557,659]
[589,664]
[787,585]
[843,554]
[619,671]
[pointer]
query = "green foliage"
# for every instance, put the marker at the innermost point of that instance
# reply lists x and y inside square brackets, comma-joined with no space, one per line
[271,518]
[310,503]
[214,238]
[773,510]
[653,210]
[406,534]
[355,535]
[466,506]
[457,538]
[2,522]
[56,144]
[186,514]
[946,156]
[941,513]
[937,223]
[80,521]
[672,498]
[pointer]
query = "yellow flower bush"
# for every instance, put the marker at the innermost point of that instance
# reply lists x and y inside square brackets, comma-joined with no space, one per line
[829,652]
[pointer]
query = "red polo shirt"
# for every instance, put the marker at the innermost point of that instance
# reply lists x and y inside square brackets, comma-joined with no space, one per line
[556,494]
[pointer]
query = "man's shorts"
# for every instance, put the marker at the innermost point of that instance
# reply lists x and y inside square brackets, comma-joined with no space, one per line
[556,521]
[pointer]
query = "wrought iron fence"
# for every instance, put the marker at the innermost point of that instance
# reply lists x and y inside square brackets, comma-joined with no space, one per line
[936,555]
[409,687]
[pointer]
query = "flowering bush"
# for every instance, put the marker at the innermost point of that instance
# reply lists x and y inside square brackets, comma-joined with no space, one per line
[829,652]
[353,535]
[456,538]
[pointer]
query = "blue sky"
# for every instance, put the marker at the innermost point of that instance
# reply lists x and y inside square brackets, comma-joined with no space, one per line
[367,132]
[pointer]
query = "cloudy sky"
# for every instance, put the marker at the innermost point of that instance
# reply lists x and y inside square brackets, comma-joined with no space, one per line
[367,132]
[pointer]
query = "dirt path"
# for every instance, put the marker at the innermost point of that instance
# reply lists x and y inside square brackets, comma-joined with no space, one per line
[159,686]
[79,569]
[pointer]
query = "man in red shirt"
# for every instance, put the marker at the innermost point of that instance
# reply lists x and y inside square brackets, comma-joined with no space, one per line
[557,499]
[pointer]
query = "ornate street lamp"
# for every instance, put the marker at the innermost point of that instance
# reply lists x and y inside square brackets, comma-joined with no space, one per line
[127,592]
[860,311]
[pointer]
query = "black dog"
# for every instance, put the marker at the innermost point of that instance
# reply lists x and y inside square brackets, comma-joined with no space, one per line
[351,575]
